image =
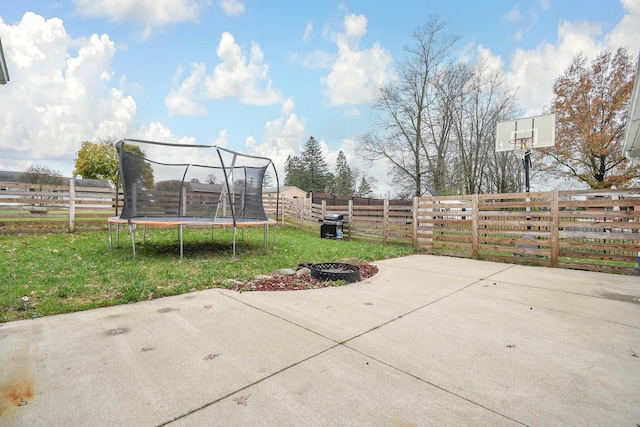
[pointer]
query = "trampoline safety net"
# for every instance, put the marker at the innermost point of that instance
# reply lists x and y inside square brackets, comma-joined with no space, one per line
[166,181]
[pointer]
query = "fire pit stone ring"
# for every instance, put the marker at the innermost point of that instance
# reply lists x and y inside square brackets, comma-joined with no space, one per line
[335,271]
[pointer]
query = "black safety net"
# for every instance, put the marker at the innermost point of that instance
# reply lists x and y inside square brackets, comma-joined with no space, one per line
[165,181]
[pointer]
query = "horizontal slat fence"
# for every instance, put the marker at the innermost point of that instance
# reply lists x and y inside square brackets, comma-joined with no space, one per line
[514,226]
[599,230]
[591,230]
[444,225]
[26,208]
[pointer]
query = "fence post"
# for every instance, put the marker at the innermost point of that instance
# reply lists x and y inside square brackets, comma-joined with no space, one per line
[415,221]
[385,221]
[475,229]
[555,228]
[350,217]
[72,205]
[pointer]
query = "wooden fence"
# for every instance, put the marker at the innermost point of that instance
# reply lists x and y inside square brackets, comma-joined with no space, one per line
[27,208]
[589,230]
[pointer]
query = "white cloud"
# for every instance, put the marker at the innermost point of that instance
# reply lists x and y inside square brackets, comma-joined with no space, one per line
[627,32]
[544,5]
[288,106]
[283,137]
[308,32]
[356,73]
[149,13]
[517,36]
[318,59]
[156,131]
[514,15]
[235,76]
[222,140]
[355,25]
[534,71]
[231,7]
[57,98]
[186,100]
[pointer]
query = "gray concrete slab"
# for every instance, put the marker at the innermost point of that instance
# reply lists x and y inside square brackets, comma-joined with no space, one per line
[343,312]
[343,387]
[427,341]
[141,364]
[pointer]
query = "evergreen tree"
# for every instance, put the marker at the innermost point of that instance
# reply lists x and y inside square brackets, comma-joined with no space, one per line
[294,174]
[364,189]
[344,182]
[267,180]
[317,178]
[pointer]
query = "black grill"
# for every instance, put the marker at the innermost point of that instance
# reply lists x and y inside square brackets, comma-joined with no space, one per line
[332,226]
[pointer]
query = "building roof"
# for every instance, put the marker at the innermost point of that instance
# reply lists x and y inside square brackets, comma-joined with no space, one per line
[8,176]
[4,72]
[631,146]
[282,189]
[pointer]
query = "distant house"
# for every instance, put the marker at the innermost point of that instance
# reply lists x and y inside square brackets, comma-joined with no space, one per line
[95,183]
[287,192]
[8,176]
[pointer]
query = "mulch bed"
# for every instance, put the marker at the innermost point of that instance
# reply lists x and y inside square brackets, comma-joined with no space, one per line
[296,283]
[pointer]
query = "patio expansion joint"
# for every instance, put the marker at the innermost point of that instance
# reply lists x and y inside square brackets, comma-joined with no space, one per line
[344,344]
[425,381]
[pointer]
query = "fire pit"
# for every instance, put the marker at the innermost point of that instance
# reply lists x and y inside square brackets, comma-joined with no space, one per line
[335,271]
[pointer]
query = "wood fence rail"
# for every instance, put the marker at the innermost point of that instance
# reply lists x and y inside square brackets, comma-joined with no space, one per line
[595,230]
[590,229]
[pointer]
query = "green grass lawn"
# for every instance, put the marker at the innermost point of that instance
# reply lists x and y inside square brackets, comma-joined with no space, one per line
[45,274]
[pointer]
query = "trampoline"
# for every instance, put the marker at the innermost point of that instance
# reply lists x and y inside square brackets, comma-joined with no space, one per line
[180,185]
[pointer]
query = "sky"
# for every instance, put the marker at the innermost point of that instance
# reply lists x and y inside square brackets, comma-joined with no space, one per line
[260,77]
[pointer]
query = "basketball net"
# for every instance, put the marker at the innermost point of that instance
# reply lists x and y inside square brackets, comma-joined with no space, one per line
[522,146]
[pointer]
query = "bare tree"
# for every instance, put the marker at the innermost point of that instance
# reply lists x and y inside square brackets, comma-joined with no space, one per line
[485,101]
[414,143]
[43,180]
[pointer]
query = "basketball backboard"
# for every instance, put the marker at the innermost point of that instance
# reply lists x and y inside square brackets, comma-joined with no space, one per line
[527,133]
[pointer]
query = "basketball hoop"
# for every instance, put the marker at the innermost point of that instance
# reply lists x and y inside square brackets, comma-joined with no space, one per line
[522,146]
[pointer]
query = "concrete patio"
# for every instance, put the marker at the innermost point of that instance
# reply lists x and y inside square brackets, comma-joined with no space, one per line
[427,341]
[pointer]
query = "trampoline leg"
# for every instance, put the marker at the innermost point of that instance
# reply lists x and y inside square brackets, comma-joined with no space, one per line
[275,230]
[144,234]
[266,238]
[234,241]
[110,239]
[180,234]
[117,235]
[133,240]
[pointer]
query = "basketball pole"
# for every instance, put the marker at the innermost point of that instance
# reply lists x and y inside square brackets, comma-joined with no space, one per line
[527,164]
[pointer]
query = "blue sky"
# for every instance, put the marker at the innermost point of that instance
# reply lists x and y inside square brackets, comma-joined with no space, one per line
[259,76]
